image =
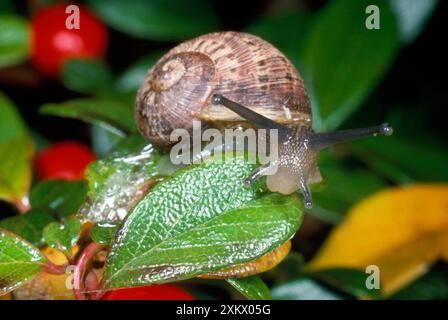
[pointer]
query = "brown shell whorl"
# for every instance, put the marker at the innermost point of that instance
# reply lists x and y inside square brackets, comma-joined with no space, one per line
[240,66]
[172,94]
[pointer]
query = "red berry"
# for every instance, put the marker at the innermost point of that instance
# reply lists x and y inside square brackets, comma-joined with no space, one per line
[65,160]
[53,43]
[154,292]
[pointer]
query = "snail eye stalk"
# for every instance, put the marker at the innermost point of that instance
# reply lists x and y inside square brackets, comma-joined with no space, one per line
[322,140]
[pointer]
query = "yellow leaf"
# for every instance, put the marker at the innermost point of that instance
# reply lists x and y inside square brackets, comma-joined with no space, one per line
[401,230]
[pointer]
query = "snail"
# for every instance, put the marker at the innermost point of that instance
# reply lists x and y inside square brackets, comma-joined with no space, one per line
[227,78]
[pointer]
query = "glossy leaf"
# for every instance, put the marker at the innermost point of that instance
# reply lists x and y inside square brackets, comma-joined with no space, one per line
[29,225]
[304,289]
[132,78]
[15,168]
[14,40]
[201,220]
[111,114]
[251,287]
[62,236]
[157,19]
[401,230]
[104,233]
[87,76]
[19,261]
[64,197]
[344,60]
[118,181]
[260,265]
[412,16]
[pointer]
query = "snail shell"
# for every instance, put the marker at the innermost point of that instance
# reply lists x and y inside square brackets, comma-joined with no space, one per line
[240,66]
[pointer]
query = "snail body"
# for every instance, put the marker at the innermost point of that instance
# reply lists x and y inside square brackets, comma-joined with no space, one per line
[229,78]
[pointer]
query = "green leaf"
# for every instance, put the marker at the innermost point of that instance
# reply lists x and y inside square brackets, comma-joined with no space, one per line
[11,123]
[19,261]
[87,76]
[201,220]
[118,181]
[111,114]
[132,78]
[304,289]
[104,233]
[291,43]
[429,165]
[344,60]
[14,40]
[343,188]
[29,225]
[15,168]
[432,286]
[251,287]
[157,19]
[412,16]
[350,281]
[64,197]
[62,236]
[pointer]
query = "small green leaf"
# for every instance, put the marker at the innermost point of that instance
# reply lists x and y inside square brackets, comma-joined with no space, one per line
[87,76]
[118,181]
[350,281]
[111,114]
[64,197]
[201,220]
[344,60]
[11,123]
[14,40]
[157,19]
[62,236]
[104,233]
[29,225]
[19,261]
[412,16]
[15,168]
[304,289]
[251,287]
[133,77]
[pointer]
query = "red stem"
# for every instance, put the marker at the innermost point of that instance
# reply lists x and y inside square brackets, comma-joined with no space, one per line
[80,290]
[52,268]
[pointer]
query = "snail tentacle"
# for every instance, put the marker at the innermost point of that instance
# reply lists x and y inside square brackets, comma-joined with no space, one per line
[257,173]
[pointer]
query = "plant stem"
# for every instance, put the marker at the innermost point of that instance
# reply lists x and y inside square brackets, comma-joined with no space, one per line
[80,279]
[52,268]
